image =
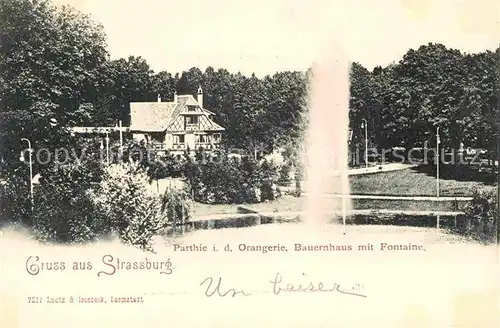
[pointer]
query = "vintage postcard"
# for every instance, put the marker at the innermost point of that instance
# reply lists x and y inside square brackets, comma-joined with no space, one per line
[279,163]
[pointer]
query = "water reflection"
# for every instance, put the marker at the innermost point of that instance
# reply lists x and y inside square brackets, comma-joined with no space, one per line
[457,223]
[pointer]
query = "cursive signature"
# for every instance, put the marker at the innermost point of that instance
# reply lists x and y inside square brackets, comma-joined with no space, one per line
[279,286]
[217,290]
[213,287]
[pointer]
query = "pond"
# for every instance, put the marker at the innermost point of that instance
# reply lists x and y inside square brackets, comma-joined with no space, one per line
[458,224]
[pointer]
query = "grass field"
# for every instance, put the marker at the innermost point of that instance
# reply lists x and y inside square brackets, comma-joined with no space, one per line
[413,183]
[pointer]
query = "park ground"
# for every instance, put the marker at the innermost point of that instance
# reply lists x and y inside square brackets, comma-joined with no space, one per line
[409,182]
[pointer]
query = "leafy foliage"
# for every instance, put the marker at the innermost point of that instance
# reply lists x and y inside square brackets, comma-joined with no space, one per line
[226,180]
[431,86]
[55,67]
[482,216]
[125,199]
[51,60]
[15,200]
[63,210]
[484,205]
[80,202]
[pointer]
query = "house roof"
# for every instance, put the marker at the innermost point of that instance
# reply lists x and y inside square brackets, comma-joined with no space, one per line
[158,116]
[215,127]
[150,116]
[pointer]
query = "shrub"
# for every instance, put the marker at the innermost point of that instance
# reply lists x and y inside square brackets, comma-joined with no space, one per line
[269,171]
[482,215]
[298,189]
[165,166]
[484,205]
[130,207]
[72,208]
[15,200]
[224,180]
[124,188]
[176,205]
[231,180]
[63,208]
[147,220]
[299,172]
[284,175]
[226,183]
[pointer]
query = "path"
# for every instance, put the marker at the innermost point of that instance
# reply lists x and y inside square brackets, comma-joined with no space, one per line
[377,169]
[380,168]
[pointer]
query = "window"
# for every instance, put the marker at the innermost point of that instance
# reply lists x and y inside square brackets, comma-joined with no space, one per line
[202,138]
[191,119]
[191,108]
[216,137]
[178,139]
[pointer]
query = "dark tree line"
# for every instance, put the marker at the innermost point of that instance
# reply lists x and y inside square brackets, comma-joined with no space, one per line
[432,86]
[55,65]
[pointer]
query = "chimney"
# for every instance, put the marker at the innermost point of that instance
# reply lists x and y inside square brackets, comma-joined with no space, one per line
[175,96]
[159,98]
[200,96]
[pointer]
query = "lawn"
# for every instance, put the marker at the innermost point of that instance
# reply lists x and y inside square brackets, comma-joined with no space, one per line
[412,182]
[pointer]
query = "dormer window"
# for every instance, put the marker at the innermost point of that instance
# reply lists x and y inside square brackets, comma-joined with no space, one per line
[191,108]
[191,120]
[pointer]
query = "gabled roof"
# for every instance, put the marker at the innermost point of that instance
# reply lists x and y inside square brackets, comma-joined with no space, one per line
[151,116]
[158,116]
[190,100]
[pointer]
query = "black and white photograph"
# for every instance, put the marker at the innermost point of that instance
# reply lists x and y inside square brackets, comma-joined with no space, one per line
[280,163]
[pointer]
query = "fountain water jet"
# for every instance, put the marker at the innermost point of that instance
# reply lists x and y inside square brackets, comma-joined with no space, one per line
[326,140]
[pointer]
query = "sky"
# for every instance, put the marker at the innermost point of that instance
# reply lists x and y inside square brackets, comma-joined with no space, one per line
[265,36]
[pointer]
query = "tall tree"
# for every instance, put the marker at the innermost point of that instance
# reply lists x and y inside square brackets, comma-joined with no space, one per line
[50,60]
[127,80]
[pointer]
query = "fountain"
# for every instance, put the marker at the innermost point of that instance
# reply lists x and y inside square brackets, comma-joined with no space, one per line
[326,140]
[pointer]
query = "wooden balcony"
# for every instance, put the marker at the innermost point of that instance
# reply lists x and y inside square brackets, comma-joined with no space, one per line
[192,127]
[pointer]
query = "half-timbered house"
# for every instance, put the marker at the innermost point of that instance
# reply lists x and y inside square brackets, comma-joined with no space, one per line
[175,126]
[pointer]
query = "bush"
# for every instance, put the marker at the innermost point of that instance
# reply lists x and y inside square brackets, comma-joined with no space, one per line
[147,220]
[484,205]
[482,215]
[130,207]
[176,205]
[63,210]
[73,208]
[225,180]
[284,175]
[124,188]
[225,183]
[269,174]
[299,172]
[298,189]
[15,200]
[166,166]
